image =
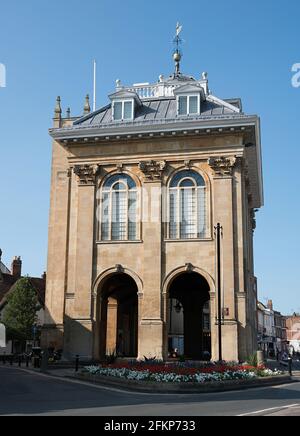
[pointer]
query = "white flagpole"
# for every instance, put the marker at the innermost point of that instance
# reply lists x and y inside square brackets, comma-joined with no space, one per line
[95,86]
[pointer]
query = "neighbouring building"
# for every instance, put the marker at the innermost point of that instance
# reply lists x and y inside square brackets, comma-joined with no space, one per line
[293,332]
[272,330]
[8,282]
[137,189]
[266,328]
[280,332]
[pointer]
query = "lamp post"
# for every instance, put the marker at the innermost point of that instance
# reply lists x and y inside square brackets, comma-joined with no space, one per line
[218,232]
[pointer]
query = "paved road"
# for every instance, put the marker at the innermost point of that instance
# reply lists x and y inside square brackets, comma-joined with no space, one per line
[24,393]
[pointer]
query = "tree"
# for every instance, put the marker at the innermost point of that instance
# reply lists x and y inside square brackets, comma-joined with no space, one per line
[20,313]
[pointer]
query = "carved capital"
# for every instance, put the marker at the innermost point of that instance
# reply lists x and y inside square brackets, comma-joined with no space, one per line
[253,219]
[86,174]
[223,166]
[152,170]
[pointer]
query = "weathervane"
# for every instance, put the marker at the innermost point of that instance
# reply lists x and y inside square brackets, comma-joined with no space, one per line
[177,56]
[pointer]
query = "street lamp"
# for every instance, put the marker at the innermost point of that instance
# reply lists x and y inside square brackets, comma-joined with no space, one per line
[218,234]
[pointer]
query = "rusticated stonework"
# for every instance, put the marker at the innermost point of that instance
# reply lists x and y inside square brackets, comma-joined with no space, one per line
[223,166]
[153,170]
[86,174]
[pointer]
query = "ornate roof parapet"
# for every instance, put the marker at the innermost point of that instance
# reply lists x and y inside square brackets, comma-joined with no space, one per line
[58,110]
[223,166]
[152,170]
[87,106]
[86,174]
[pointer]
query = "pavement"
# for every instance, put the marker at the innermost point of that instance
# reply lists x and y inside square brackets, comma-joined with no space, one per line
[28,393]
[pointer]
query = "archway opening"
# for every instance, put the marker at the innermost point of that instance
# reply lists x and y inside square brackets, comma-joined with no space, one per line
[189,317]
[119,317]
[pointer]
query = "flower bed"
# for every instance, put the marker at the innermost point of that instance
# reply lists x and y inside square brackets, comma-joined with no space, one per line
[163,373]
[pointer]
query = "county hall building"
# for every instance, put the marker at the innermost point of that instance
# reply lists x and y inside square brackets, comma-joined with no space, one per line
[138,188]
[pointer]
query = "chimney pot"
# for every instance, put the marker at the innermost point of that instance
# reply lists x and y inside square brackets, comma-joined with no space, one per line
[16,267]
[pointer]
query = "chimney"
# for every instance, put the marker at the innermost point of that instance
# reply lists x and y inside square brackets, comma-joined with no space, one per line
[270,304]
[44,276]
[16,267]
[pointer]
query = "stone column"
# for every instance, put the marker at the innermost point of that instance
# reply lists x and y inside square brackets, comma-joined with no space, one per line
[112,321]
[82,322]
[150,342]
[223,214]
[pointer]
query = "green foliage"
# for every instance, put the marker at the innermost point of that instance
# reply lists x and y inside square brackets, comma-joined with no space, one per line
[252,361]
[111,357]
[20,313]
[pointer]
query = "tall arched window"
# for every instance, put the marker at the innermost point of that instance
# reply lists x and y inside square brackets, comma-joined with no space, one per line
[187,203]
[119,209]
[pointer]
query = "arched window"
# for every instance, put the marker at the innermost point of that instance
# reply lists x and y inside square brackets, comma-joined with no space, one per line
[119,209]
[187,203]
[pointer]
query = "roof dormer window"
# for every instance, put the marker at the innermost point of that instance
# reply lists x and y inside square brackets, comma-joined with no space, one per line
[189,105]
[123,110]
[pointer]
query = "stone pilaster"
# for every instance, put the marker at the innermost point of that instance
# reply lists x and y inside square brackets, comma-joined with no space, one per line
[86,176]
[151,323]
[53,330]
[223,168]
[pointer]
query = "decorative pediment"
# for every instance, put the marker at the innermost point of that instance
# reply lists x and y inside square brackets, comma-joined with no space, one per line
[190,89]
[125,95]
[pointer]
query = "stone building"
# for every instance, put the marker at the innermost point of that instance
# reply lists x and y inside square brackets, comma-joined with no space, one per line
[8,282]
[272,332]
[293,332]
[137,189]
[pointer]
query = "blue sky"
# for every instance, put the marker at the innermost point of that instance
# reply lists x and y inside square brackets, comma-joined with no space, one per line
[248,49]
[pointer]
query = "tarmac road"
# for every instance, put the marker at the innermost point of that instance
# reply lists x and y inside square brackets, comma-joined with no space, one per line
[25,393]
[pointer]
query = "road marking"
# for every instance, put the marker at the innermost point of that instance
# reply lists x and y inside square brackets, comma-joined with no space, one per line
[273,409]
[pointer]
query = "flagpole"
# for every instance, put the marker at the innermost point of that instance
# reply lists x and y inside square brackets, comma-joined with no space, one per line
[95,86]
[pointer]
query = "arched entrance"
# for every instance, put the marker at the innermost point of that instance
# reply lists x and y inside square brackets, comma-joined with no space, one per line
[119,316]
[189,316]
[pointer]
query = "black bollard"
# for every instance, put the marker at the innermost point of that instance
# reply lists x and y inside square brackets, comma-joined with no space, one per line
[20,361]
[291,366]
[77,364]
[27,361]
[11,360]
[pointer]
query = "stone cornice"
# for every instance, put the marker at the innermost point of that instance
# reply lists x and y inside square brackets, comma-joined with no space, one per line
[156,127]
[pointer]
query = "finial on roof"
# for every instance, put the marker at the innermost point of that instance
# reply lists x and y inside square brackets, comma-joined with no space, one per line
[58,111]
[68,113]
[204,76]
[87,107]
[161,78]
[177,55]
[118,83]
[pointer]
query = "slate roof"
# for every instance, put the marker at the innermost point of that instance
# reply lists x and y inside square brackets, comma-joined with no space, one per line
[8,283]
[3,268]
[164,109]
